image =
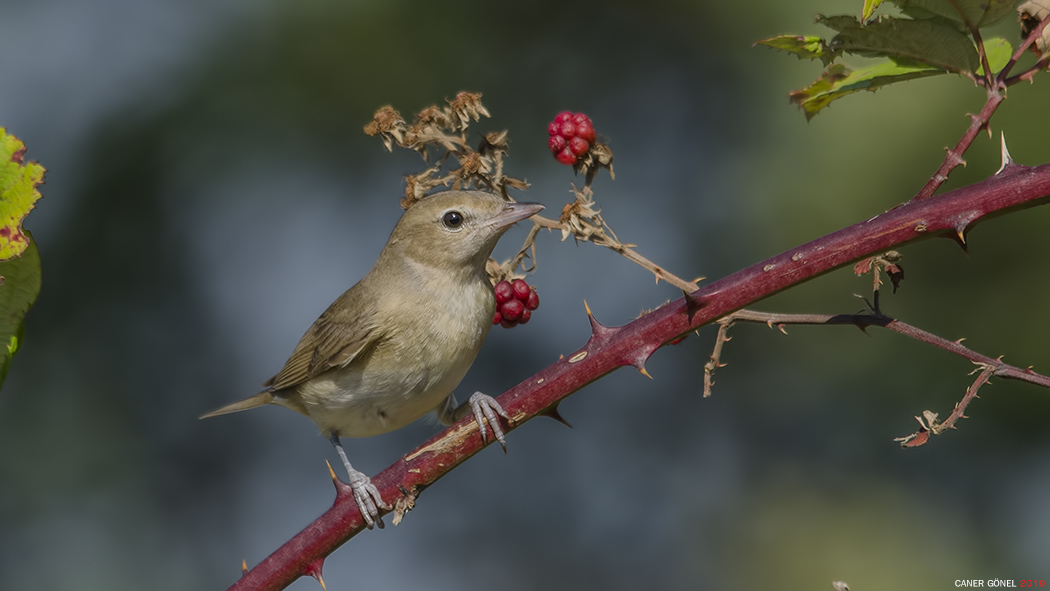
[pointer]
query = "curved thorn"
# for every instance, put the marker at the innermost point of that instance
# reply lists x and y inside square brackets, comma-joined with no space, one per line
[1005,154]
[553,413]
[314,570]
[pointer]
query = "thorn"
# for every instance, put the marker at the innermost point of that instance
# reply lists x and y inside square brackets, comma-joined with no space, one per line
[314,570]
[553,413]
[341,488]
[954,158]
[960,239]
[638,358]
[1006,159]
[960,340]
[244,567]
[598,330]
[692,304]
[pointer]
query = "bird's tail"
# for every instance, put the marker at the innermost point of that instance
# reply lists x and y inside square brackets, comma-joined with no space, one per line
[260,399]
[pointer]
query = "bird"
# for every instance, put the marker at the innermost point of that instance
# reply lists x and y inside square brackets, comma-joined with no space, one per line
[394,346]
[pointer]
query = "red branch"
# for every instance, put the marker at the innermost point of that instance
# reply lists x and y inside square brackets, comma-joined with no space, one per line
[610,348]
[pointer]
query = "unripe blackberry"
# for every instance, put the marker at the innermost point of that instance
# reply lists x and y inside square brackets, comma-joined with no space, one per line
[512,310]
[571,137]
[515,301]
[521,289]
[504,292]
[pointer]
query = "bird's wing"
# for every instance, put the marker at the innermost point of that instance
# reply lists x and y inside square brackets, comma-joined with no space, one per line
[333,340]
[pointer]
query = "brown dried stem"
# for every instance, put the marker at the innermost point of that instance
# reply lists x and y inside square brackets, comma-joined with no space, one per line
[609,348]
[876,318]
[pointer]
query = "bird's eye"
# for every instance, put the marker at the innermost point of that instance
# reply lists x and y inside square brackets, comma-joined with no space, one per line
[452,220]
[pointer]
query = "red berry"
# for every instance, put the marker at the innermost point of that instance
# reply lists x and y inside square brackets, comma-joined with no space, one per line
[525,316]
[497,318]
[512,310]
[534,300]
[521,289]
[579,146]
[571,136]
[566,157]
[504,292]
[585,130]
[508,324]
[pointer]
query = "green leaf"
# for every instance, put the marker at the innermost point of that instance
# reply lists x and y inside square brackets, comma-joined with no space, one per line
[999,52]
[18,182]
[839,81]
[979,13]
[802,46]
[19,286]
[869,8]
[931,42]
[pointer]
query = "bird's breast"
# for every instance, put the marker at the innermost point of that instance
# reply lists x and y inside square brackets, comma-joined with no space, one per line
[412,369]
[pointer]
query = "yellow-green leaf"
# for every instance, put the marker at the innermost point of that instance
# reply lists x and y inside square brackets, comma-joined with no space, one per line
[999,51]
[18,193]
[869,8]
[802,46]
[838,81]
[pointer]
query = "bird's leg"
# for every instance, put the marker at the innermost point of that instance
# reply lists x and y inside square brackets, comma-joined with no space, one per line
[365,493]
[484,407]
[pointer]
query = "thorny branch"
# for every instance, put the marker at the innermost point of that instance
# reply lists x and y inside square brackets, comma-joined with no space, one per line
[445,129]
[610,348]
[995,86]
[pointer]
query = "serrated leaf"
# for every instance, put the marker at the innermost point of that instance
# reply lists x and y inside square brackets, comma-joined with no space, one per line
[979,13]
[999,51]
[802,46]
[869,8]
[931,42]
[18,182]
[839,81]
[18,290]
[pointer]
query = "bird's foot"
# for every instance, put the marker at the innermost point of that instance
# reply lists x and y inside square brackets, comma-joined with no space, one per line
[369,501]
[486,408]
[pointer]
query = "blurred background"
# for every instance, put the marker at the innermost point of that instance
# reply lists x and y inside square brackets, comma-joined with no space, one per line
[209,192]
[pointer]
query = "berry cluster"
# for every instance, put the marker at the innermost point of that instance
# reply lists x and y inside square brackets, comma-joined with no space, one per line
[571,136]
[515,301]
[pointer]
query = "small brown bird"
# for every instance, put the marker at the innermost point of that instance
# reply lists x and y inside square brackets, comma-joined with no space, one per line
[393,347]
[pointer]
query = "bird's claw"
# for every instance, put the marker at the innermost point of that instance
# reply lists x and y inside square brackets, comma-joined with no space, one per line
[369,501]
[486,408]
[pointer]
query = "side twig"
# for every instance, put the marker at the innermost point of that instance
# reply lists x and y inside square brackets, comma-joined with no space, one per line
[995,86]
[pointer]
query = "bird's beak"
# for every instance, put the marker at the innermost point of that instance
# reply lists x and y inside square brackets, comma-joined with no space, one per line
[514,212]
